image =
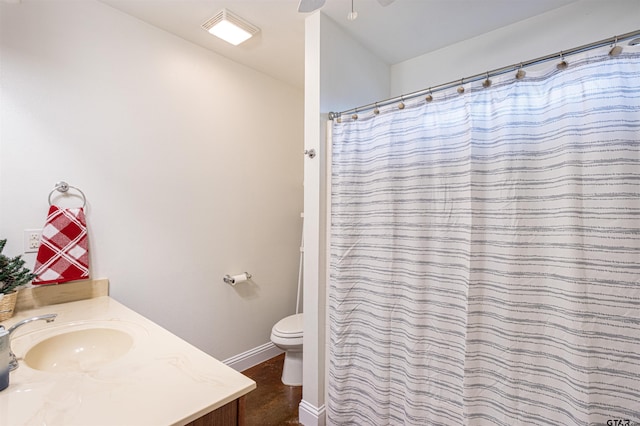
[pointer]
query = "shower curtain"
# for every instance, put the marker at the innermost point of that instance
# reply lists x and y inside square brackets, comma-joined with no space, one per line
[485,254]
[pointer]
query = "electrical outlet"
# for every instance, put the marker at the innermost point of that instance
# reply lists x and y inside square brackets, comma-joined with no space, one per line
[32,240]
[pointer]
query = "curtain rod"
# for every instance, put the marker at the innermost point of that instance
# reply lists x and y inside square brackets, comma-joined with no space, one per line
[495,72]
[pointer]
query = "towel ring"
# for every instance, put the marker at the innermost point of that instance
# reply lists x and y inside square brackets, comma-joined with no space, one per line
[63,186]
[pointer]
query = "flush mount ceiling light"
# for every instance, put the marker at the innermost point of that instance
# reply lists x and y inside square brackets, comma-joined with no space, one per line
[230,27]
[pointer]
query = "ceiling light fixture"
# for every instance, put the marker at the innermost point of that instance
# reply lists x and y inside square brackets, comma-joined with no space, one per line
[230,27]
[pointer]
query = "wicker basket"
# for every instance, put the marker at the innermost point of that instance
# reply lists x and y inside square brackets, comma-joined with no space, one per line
[7,304]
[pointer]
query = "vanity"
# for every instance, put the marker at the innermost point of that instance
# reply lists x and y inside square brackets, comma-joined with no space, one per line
[100,363]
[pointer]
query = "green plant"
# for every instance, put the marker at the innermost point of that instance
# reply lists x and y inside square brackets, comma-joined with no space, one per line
[13,274]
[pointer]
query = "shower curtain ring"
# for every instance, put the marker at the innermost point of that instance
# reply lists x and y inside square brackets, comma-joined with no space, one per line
[429,97]
[521,73]
[487,82]
[401,104]
[562,65]
[376,110]
[461,87]
[615,50]
[354,116]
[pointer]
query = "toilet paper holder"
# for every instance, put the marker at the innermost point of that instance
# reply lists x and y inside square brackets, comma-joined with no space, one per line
[234,279]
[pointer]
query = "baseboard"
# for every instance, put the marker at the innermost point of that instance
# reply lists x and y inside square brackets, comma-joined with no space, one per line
[253,357]
[310,415]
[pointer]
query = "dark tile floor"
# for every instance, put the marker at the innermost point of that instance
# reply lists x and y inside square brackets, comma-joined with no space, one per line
[272,403]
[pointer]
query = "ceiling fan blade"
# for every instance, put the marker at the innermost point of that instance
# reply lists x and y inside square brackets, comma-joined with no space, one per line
[385,3]
[306,6]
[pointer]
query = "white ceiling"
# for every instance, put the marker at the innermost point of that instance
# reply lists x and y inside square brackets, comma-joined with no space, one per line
[400,31]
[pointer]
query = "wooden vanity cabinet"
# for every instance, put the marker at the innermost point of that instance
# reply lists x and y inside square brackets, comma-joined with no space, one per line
[231,414]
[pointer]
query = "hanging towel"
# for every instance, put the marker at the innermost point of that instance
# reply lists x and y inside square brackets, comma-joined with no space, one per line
[63,254]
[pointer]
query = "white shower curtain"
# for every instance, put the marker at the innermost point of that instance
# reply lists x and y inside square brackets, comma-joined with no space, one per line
[485,254]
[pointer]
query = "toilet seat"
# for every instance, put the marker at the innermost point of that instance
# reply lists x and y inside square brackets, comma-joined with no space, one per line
[287,335]
[291,327]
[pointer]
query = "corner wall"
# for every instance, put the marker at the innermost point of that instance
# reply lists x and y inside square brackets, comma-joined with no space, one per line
[191,165]
[339,73]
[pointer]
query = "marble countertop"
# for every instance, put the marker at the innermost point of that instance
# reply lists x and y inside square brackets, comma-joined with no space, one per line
[161,380]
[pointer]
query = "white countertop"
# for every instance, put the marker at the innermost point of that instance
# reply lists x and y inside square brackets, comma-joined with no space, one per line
[161,380]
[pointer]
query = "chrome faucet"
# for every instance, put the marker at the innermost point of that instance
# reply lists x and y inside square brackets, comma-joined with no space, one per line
[13,361]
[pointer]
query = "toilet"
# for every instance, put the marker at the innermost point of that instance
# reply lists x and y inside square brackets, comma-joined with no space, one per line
[287,335]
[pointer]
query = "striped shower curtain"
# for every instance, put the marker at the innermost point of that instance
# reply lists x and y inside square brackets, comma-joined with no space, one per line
[485,254]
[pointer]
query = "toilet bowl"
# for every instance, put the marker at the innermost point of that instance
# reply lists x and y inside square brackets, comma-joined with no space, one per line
[287,335]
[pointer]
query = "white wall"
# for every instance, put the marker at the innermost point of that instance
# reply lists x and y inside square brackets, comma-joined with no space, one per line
[191,164]
[564,28]
[339,73]
[348,71]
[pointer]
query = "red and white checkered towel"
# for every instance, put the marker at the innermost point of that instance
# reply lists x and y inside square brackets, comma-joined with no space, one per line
[63,254]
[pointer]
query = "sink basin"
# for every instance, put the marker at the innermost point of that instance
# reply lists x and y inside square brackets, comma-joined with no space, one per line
[79,350]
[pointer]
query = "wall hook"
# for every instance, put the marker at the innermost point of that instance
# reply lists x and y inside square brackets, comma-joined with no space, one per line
[311,153]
